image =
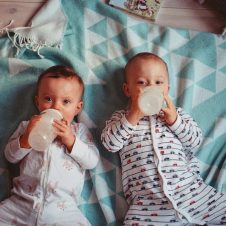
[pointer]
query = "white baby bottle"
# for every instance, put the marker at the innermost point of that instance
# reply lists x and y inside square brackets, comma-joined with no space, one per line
[151,100]
[43,133]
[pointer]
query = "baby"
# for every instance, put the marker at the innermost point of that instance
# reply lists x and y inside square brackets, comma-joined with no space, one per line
[50,182]
[160,174]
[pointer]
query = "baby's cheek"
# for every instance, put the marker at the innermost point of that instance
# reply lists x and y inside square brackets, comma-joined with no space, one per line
[140,90]
[165,89]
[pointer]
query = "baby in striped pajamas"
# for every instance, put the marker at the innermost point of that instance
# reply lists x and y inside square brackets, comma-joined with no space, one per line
[160,174]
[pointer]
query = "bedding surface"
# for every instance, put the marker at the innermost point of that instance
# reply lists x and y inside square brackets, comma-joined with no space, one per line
[97,40]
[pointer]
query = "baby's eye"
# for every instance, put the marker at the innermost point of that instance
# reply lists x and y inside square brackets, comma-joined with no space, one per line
[66,101]
[140,82]
[159,82]
[47,98]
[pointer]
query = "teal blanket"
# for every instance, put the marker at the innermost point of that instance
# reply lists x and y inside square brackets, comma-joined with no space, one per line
[97,41]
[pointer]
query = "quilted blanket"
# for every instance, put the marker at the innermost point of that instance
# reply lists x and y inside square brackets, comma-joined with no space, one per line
[97,40]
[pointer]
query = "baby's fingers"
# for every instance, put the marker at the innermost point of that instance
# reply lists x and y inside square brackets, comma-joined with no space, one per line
[168,101]
[162,115]
[59,125]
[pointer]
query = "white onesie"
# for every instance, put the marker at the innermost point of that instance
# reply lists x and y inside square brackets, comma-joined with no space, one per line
[47,191]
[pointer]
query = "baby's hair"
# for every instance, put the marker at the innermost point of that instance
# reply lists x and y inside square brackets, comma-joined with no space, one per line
[60,71]
[143,55]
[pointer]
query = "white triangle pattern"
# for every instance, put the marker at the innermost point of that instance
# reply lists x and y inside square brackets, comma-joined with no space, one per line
[82,201]
[220,40]
[157,49]
[200,95]
[181,84]
[104,166]
[178,62]
[175,36]
[93,197]
[84,118]
[113,28]
[132,21]
[102,193]
[91,18]
[133,39]
[93,79]
[108,212]
[201,70]
[207,141]
[192,34]
[6,49]
[93,60]
[16,66]
[92,39]
[220,126]
[204,166]
[220,81]
[115,50]
[154,32]
[220,60]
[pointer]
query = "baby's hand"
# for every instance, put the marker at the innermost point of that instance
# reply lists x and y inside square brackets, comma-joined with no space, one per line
[64,132]
[24,138]
[169,113]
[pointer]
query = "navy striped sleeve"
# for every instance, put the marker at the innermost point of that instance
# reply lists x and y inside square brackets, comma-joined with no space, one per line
[116,132]
[187,130]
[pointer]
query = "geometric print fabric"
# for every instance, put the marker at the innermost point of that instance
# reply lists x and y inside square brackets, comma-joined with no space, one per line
[103,40]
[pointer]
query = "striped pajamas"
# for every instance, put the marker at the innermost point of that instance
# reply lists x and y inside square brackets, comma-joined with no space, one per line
[160,174]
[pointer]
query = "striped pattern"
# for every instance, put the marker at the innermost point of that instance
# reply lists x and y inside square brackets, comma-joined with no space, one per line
[160,174]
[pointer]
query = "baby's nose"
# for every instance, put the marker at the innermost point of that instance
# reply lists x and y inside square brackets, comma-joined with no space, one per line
[56,106]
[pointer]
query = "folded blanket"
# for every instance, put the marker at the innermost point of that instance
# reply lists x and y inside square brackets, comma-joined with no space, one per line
[97,40]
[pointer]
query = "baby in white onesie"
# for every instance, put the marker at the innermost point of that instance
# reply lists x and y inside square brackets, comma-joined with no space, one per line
[160,174]
[50,182]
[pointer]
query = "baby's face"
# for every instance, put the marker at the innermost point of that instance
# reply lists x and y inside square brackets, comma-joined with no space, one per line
[62,94]
[146,72]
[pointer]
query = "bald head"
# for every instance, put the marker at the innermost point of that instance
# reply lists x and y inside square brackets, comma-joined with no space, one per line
[139,57]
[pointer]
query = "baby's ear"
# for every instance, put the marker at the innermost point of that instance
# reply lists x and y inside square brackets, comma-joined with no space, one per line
[79,107]
[36,101]
[126,89]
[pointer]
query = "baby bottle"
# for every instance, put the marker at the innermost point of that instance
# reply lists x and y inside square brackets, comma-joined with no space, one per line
[151,100]
[43,133]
